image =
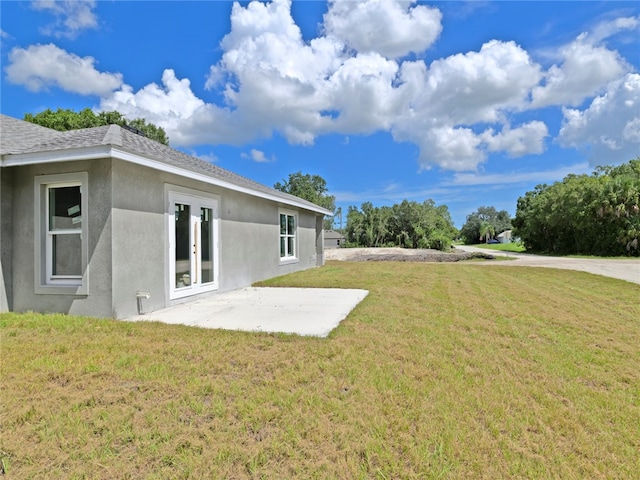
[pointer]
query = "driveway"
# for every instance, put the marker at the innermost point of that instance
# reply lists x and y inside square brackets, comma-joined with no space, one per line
[623,269]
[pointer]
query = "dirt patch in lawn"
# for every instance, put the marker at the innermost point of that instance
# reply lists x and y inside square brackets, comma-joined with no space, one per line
[401,255]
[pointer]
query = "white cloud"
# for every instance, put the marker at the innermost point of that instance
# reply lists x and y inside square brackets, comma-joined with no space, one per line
[631,131]
[527,139]
[462,187]
[450,148]
[516,177]
[610,126]
[382,195]
[362,91]
[39,67]
[459,149]
[274,81]
[586,67]
[604,30]
[391,28]
[72,16]
[167,106]
[477,86]
[457,109]
[257,156]
[460,91]
[271,78]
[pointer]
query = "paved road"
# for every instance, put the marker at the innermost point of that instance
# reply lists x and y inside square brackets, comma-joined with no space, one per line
[625,269]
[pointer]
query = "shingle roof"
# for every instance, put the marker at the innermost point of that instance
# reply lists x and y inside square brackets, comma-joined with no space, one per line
[16,135]
[333,235]
[19,137]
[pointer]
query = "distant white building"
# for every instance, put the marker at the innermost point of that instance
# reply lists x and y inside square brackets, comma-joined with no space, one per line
[504,237]
[333,239]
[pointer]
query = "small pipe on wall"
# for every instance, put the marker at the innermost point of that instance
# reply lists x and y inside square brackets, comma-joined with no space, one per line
[139,297]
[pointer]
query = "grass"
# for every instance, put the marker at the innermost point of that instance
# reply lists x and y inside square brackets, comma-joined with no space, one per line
[503,247]
[444,371]
[519,248]
[592,257]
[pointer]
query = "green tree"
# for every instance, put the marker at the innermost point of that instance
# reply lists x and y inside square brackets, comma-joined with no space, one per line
[150,130]
[487,231]
[470,231]
[409,224]
[64,120]
[355,226]
[312,188]
[597,214]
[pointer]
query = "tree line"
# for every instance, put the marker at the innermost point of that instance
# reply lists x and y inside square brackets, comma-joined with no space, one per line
[409,224]
[67,119]
[597,214]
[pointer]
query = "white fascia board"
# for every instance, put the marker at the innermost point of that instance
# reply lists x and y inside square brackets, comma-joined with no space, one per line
[65,155]
[106,151]
[140,160]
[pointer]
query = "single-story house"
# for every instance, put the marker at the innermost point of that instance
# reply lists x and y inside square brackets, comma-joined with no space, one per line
[105,222]
[504,237]
[333,239]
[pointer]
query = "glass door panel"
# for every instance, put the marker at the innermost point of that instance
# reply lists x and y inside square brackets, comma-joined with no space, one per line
[182,245]
[206,245]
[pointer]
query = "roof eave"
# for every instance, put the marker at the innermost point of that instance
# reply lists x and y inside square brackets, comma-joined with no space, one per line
[54,156]
[91,153]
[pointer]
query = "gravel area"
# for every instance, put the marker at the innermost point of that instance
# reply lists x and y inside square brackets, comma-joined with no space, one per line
[401,255]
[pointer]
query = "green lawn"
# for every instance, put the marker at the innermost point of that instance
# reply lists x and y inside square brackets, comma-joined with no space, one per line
[503,247]
[519,248]
[443,371]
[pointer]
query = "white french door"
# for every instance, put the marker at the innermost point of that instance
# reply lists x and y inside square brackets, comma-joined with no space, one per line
[193,244]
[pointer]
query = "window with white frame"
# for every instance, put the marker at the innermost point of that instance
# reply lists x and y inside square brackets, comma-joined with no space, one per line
[288,235]
[61,227]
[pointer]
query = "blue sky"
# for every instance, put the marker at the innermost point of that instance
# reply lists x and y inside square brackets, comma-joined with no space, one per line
[466,103]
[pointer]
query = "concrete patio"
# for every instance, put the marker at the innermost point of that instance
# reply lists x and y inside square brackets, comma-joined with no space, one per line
[303,311]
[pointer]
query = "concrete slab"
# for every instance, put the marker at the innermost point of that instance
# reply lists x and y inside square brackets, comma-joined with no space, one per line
[304,311]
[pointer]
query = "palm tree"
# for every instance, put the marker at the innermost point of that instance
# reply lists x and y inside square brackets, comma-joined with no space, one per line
[487,231]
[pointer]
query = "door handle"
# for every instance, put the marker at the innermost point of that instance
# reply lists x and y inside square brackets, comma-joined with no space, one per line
[195,252]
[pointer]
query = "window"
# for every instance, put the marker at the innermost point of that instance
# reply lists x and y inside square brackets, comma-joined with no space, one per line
[288,233]
[64,232]
[61,233]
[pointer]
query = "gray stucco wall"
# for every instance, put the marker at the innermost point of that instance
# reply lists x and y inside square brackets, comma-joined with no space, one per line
[138,249]
[6,239]
[98,302]
[128,238]
[249,240]
[248,237]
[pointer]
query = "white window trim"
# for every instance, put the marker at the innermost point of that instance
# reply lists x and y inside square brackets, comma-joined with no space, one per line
[44,281]
[295,258]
